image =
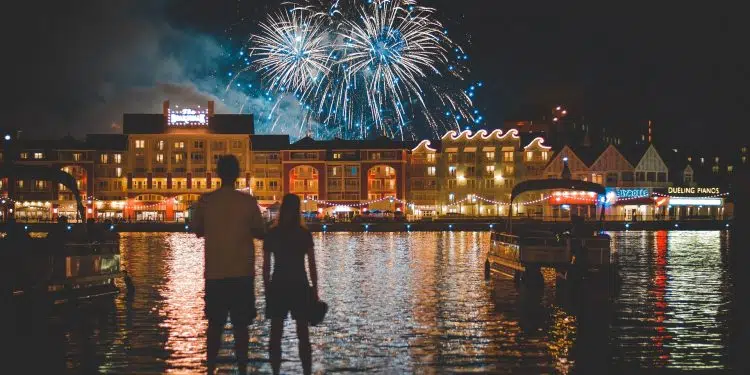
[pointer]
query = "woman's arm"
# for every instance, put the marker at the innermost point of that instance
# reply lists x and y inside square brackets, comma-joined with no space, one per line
[313,269]
[266,266]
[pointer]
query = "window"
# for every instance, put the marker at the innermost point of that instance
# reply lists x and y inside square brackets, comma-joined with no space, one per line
[716,159]
[273,156]
[23,155]
[179,145]
[489,156]
[470,171]
[19,183]
[352,171]
[196,156]
[452,157]
[509,170]
[507,155]
[529,155]
[336,155]
[650,176]
[375,156]
[118,185]
[77,156]
[489,170]
[259,185]
[611,179]
[690,159]
[744,149]
[179,157]
[40,185]
[744,159]
[118,172]
[451,184]
[273,185]
[715,169]
[430,158]
[451,197]
[160,145]
[140,143]
[158,185]
[489,183]
[661,177]
[179,184]
[597,178]
[431,171]
[38,155]
[217,145]
[197,144]
[452,171]
[335,171]
[469,157]
[688,178]
[139,185]
[160,158]
[545,155]
[640,176]
[236,144]
[627,176]
[471,183]
[118,158]
[104,158]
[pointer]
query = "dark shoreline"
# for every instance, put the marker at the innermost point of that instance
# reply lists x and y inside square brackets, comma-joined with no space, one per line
[434,226]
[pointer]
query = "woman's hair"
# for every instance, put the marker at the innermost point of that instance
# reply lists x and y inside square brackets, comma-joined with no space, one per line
[289,214]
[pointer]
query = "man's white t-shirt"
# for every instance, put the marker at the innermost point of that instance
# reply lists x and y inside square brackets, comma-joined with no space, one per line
[226,218]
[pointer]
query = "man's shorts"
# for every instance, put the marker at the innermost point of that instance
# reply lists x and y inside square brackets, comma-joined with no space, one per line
[233,296]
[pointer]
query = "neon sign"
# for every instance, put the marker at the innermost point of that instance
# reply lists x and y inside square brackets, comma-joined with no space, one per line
[187,117]
[632,193]
[693,190]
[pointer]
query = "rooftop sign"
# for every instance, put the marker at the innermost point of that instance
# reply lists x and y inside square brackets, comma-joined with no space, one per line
[187,117]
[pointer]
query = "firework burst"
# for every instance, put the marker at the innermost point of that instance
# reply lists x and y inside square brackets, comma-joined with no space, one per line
[362,68]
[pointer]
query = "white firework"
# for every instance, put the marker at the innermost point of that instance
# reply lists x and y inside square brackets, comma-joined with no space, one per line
[293,51]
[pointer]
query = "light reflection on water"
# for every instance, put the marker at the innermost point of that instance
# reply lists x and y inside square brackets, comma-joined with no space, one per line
[417,302]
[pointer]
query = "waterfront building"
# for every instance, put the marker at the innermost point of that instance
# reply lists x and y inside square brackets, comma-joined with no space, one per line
[476,172]
[344,178]
[423,179]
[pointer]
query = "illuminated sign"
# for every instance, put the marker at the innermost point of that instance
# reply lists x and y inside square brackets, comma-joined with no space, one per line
[685,201]
[693,190]
[187,117]
[632,192]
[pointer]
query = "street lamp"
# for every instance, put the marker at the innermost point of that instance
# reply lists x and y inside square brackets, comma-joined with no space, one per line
[7,137]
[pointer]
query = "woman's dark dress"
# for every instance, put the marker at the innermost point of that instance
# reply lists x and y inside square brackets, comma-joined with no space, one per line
[289,290]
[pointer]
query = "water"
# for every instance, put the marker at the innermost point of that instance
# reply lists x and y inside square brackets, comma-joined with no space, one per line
[413,302]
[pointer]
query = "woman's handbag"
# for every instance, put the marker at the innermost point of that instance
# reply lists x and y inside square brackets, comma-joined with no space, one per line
[317,309]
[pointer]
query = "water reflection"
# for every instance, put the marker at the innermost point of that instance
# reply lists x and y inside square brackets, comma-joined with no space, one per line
[414,302]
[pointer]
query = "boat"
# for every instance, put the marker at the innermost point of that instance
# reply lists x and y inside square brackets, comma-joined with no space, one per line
[575,253]
[72,261]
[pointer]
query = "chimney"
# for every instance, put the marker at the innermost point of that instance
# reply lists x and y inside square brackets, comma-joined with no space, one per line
[210,108]
[165,108]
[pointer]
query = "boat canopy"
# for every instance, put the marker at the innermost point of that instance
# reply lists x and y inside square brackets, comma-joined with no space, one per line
[53,175]
[548,184]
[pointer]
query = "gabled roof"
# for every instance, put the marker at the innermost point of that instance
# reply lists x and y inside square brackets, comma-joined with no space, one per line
[634,153]
[589,154]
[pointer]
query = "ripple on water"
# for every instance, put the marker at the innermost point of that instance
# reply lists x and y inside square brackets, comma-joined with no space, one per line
[417,302]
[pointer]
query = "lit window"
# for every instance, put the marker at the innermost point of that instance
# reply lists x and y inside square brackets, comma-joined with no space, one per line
[715,169]
[545,155]
[509,170]
[431,158]
[38,155]
[529,155]
[178,157]
[118,172]
[744,149]
[490,169]
[160,158]
[744,159]
[259,185]
[730,168]
[104,158]
[140,143]
[489,156]
[273,185]
[23,155]
[451,197]
[197,144]
[77,156]
[179,145]
[690,159]
[431,171]
[41,185]
[160,145]
[508,155]
[336,155]
[716,159]
[452,171]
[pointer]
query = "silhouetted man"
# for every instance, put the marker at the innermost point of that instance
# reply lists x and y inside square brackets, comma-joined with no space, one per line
[229,220]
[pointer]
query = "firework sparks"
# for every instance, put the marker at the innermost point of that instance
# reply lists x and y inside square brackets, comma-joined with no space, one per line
[362,68]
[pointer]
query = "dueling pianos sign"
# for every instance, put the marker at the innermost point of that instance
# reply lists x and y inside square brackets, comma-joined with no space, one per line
[693,191]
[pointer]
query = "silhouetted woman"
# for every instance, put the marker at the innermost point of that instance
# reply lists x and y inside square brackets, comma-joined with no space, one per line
[288,289]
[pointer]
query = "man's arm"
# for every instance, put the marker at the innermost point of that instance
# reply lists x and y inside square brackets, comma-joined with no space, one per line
[257,225]
[197,222]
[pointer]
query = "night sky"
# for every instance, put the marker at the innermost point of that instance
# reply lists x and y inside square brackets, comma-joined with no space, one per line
[77,66]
